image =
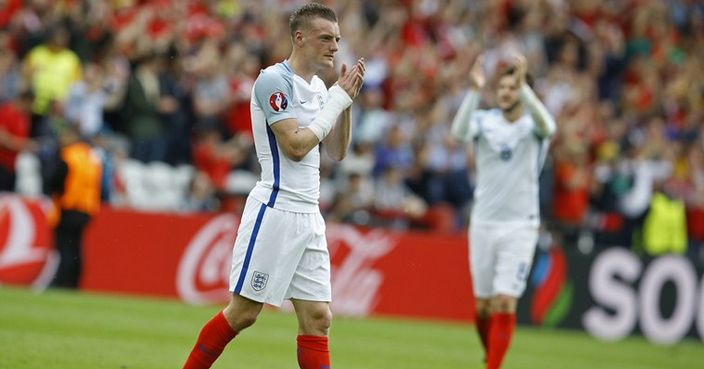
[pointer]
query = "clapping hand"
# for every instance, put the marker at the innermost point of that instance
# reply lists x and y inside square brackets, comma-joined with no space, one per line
[476,75]
[521,65]
[351,81]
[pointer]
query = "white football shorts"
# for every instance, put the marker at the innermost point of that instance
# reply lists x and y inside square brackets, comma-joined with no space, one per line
[280,255]
[500,257]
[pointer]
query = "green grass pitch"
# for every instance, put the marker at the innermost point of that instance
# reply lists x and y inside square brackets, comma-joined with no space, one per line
[68,330]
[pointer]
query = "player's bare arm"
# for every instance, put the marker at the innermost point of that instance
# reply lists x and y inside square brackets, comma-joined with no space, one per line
[338,141]
[297,141]
[461,127]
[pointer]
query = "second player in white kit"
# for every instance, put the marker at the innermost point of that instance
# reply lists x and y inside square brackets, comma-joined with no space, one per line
[509,143]
[505,215]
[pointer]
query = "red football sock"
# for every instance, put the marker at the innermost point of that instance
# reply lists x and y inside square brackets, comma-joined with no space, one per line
[500,333]
[213,338]
[482,325]
[313,352]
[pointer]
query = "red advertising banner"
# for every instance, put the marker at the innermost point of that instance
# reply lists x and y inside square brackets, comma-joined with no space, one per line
[611,293]
[411,274]
[188,256]
[170,255]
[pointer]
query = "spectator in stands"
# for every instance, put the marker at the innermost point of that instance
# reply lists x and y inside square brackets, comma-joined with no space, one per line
[441,175]
[201,195]
[217,158]
[610,181]
[86,101]
[373,120]
[11,82]
[572,187]
[179,122]
[51,68]
[354,201]
[394,151]
[90,30]
[665,224]
[74,185]
[243,68]
[116,76]
[211,96]
[8,10]
[646,167]
[34,22]
[359,160]
[694,198]
[143,105]
[394,203]
[14,137]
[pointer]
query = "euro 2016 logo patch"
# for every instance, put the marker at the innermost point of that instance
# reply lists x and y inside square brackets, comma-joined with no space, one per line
[259,280]
[278,101]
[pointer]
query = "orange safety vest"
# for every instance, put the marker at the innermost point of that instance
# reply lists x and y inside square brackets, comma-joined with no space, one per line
[82,185]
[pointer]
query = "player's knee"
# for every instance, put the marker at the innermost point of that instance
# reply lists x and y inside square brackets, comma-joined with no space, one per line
[248,319]
[318,321]
[328,319]
[482,308]
[503,304]
[322,318]
[241,314]
[241,320]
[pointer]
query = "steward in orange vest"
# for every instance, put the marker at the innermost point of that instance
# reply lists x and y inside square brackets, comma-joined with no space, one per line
[74,185]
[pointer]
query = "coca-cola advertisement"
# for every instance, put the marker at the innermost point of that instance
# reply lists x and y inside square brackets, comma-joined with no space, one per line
[173,255]
[26,252]
[612,293]
[187,256]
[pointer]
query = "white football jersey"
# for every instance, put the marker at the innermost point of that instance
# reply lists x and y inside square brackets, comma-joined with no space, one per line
[280,94]
[508,159]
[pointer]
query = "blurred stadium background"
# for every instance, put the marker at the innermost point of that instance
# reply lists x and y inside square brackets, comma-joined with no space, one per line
[161,88]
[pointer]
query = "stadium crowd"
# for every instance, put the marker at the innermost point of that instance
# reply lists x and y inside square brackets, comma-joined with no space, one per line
[164,85]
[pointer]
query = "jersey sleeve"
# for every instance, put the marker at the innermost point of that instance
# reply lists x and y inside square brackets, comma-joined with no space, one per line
[544,123]
[462,124]
[476,123]
[274,93]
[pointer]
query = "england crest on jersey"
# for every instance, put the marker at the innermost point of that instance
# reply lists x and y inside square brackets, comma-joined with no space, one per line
[505,153]
[259,280]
